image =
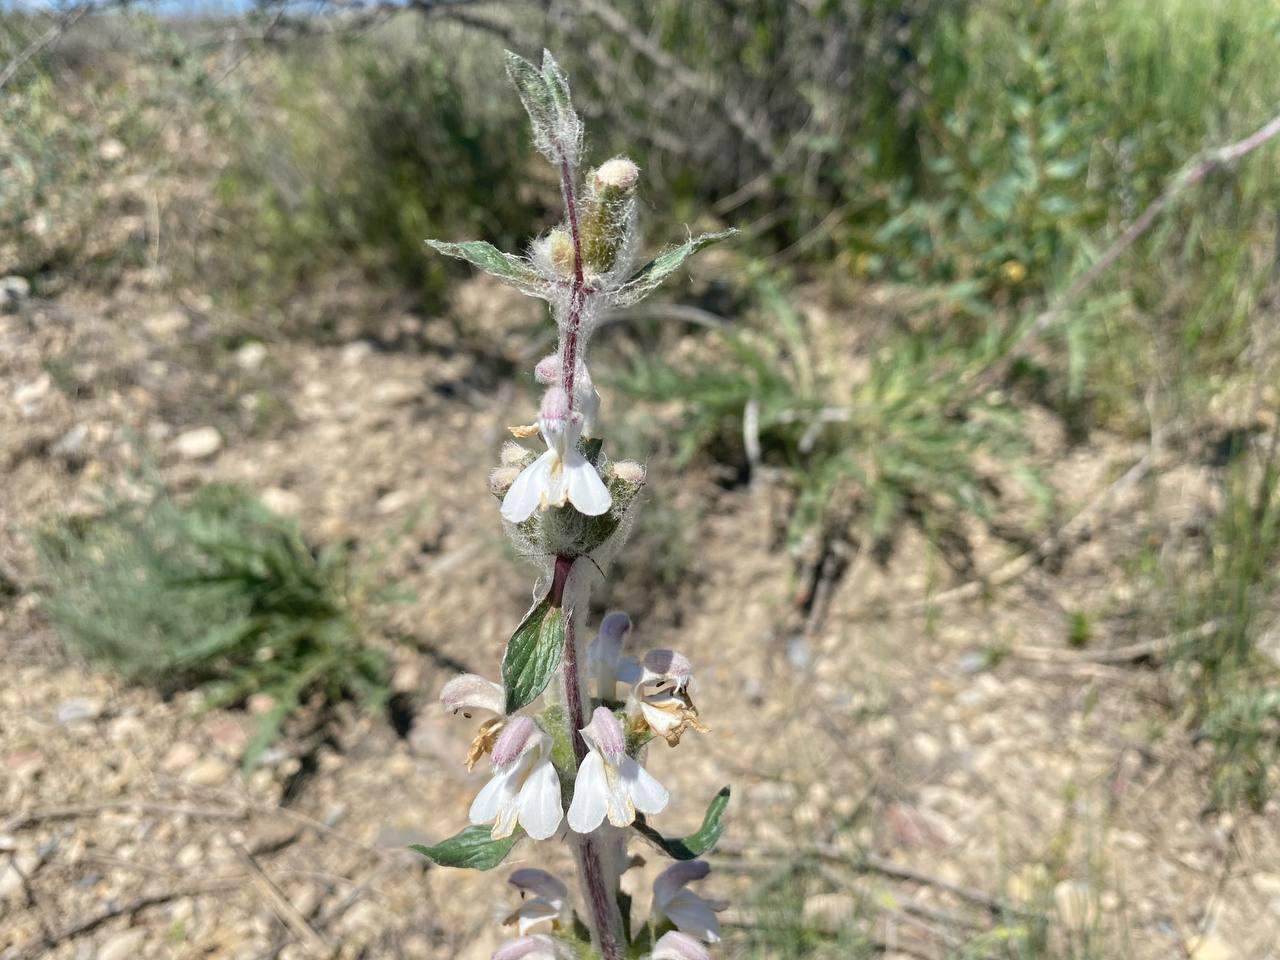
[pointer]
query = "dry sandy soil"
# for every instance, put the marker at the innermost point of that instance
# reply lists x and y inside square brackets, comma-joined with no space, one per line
[1041,782]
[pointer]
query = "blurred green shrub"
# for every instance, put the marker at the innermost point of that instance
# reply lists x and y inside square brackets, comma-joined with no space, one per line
[216,592]
[359,152]
[863,435]
[1229,606]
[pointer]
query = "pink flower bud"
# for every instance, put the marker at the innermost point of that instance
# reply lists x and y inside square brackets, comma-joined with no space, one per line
[547,369]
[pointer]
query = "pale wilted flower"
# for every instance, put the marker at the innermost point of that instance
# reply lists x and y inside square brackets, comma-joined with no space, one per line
[668,711]
[536,947]
[611,783]
[544,897]
[674,945]
[692,914]
[525,787]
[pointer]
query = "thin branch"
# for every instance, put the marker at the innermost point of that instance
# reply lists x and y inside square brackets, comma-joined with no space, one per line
[1208,162]
[65,23]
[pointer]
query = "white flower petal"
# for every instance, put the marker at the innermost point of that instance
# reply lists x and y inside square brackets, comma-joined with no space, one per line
[540,807]
[535,913]
[493,796]
[586,490]
[527,491]
[590,795]
[471,692]
[648,795]
[693,915]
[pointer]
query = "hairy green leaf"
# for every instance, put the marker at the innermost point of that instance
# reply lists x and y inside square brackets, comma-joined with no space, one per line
[473,849]
[505,266]
[695,844]
[533,654]
[557,132]
[649,277]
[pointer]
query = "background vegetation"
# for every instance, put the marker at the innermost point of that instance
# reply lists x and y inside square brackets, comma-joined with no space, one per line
[931,174]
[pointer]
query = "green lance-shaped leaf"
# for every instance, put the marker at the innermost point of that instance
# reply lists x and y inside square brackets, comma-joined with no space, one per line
[473,849]
[505,266]
[557,131]
[650,276]
[533,654]
[695,844]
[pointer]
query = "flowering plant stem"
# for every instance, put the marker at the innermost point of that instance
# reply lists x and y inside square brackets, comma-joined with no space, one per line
[575,768]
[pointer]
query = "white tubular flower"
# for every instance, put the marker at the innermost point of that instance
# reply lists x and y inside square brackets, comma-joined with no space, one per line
[610,782]
[537,947]
[674,945]
[562,474]
[605,661]
[668,711]
[544,899]
[467,694]
[692,914]
[525,787]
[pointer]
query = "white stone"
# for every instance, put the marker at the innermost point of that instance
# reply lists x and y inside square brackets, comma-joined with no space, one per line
[122,946]
[166,324]
[208,773]
[251,356]
[198,444]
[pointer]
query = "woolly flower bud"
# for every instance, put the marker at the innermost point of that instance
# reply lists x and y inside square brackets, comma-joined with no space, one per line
[547,369]
[560,250]
[512,454]
[620,174]
[501,479]
[629,472]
